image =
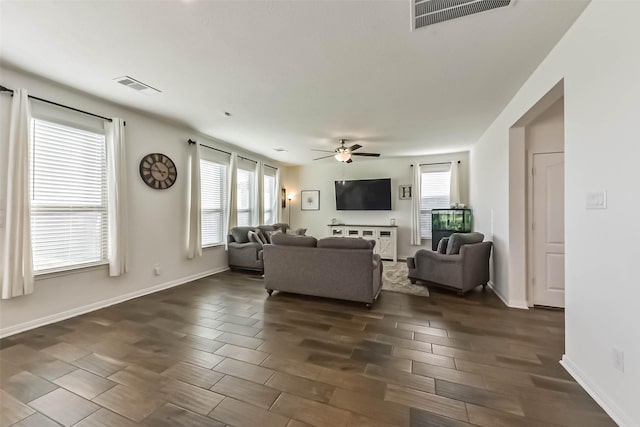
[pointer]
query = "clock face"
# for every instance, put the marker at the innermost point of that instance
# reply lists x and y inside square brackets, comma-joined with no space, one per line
[158,171]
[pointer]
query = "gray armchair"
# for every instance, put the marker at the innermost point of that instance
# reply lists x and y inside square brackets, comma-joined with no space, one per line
[245,254]
[461,263]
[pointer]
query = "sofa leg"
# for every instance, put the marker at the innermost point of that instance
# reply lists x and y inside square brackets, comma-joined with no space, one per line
[412,280]
[484,285]
[269,291]
[368,305]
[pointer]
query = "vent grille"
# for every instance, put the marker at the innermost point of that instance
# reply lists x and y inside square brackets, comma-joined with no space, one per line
[137,85]
[429,12]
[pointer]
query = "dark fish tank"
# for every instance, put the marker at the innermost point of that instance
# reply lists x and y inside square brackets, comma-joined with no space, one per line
[445,222]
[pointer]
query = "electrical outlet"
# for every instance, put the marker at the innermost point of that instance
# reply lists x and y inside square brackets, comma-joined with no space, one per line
[618,359]
[597,200]
[156,269]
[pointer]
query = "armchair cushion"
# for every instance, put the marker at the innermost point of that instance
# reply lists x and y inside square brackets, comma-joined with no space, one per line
[457,240]
[442,245]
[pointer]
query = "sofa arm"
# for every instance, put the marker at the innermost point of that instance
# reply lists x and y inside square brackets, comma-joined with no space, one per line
[475,260]
[248,250]
[411,263]
[377,275]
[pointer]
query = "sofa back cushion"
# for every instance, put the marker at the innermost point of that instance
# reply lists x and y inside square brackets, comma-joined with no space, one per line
[457,240]
[346,243]
[291,240]
[241,234]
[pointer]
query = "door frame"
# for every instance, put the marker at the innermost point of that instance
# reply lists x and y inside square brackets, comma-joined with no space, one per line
[529,235]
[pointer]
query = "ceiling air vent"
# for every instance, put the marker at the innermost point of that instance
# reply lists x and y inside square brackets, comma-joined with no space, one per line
[137,85]
[429,12]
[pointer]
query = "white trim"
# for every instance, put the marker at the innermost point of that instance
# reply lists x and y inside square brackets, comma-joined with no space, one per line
[32,324]
[511,304]
[607,404]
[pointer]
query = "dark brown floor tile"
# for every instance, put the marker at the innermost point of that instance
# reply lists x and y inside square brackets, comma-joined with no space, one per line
[26,387]
[12,410]
[247,391]
[64,407]
[84,383]
[174,416]
[99,365]
[242,353]
[427,402]
[420,418]
[424,357]
[370,406]
[194,375]
[50,370]
[302,387]
[236,413]
[105,418]
[129,402]
[37,420]
[452,375]
[481,397]
[238,329]
[310,411]
[408,379]
[244,370]
[66,352]
[191,397]
[240,340]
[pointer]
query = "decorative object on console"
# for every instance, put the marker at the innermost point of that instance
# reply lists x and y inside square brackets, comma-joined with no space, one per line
[158,171]
[310,200]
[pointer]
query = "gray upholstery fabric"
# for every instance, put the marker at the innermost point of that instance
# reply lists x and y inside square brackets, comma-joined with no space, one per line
[300,231]
[282,226]
[240,234]
[349,274]
[345,243]
[245,255]
[254,237]
[267,231]
[461,272]
[457,240]
[442,245]
[291,240]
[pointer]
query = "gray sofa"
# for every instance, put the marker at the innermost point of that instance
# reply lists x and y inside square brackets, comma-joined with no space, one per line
[334,267]
[247,255]
[460,263]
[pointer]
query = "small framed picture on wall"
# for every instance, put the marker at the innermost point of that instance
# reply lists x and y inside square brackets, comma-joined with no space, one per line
[405,192]
[310,200]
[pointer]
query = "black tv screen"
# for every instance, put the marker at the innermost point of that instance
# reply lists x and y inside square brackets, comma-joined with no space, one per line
[363,195]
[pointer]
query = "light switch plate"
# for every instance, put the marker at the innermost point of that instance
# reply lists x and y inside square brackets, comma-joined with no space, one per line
[597,200]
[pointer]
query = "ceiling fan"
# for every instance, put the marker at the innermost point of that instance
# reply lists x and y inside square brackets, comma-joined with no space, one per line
[344,153]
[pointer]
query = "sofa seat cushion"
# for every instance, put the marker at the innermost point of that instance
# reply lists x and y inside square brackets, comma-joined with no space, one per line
[291,240]
[457,240]
[346,243]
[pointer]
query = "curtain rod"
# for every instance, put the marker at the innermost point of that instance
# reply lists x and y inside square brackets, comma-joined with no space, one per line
[441,163]
[6,89]
[191,141]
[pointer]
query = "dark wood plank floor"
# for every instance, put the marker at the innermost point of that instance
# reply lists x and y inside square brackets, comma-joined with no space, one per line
[219,352]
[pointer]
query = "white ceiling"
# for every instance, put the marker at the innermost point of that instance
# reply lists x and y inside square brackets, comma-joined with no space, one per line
[294,74]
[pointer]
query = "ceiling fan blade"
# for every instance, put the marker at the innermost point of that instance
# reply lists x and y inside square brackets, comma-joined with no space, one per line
[324,151]
[366,154]
[355,147]
[324,157]
[349,161]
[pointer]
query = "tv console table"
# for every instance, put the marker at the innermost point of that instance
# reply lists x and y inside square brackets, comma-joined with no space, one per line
[385,236]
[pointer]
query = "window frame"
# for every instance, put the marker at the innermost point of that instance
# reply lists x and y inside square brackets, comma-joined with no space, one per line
[252,209]
[425,213]
[223,210]
[52,209]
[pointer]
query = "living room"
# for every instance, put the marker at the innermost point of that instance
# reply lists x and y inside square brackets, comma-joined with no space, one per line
[591,65]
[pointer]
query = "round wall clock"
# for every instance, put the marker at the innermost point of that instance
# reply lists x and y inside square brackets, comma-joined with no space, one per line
[158,171]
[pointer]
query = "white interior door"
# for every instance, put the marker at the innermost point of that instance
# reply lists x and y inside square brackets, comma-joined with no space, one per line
[548,229]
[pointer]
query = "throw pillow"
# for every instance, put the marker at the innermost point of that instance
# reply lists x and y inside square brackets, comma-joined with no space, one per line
[457,240]
[442,245]
[262,237]
[253,237]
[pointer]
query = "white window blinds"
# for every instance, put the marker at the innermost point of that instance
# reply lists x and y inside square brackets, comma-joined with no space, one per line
[246,192]
[68,188]
[270,194]
[434,194]
[213,188]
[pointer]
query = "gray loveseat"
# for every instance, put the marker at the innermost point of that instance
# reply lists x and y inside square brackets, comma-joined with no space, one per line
[461,263]
[245,254]
[334,267]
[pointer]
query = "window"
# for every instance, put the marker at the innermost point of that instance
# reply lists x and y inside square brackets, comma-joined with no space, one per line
[213,190]
[434,194]
[270,203]
[68,190]
[246,197]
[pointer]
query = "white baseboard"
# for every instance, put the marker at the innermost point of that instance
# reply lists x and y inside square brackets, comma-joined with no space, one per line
[608,405]
[36,323]
[511,304]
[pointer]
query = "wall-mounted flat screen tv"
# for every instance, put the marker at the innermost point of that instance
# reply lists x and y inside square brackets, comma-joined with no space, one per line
[363,195]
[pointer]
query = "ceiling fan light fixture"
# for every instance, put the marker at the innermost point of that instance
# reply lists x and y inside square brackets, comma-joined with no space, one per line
[342,156]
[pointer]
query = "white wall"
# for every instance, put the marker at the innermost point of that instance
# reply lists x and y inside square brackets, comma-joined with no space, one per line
[598,59]
[321,175]
[157,218]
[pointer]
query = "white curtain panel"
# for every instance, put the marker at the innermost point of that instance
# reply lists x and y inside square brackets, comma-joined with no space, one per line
[117,193]
[232,196]
[276,199]
[194,232]
[454,189]
[16,262]
[416,239]
[260,189]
